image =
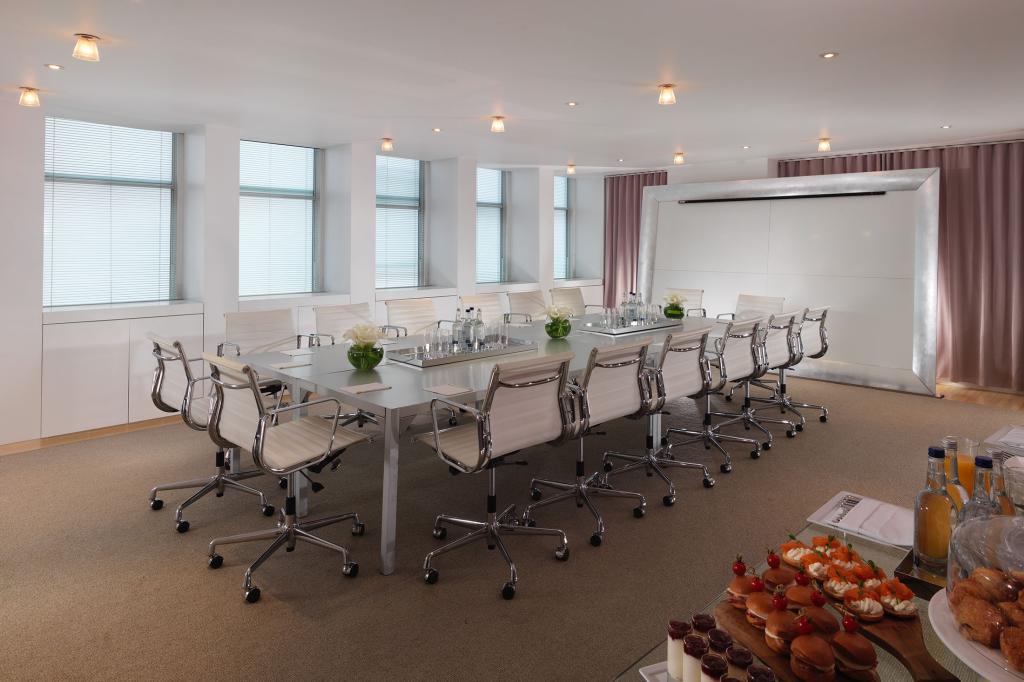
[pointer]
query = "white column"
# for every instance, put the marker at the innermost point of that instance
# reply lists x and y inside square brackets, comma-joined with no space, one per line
[546,227]
[349,220]
[21,269]
[451,230]
[209,264]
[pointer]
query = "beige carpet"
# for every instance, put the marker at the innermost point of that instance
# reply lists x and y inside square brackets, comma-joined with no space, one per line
[93,584]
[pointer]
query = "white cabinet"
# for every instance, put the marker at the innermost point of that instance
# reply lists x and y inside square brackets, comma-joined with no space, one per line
[185,328]
[85,376]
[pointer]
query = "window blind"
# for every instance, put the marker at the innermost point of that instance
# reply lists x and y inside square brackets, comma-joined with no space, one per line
[276,219]
[109,225]
[561,255]
[490,225]
[399,222]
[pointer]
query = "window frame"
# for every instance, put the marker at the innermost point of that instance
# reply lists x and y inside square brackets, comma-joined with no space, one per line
[317,237]
[568,210]
[421,275]
[174,245]
[502,227]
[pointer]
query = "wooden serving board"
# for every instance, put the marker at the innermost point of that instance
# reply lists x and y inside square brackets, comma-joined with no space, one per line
[734,621]
[904,639]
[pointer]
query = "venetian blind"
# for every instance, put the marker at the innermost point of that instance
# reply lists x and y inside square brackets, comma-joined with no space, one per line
[399,222]
[562,270]
[490,221]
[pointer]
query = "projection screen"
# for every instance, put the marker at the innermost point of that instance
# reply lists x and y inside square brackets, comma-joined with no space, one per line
[865,244]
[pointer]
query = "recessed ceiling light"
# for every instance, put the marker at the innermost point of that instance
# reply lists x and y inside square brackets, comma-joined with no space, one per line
[497,124]
[86,48]
[621,160]
[666,94]
[29,97]
[828,55]
[53,67]
[387,144]
[824,144]
[436,130]
[679,158]
[945,127]
[571,103]
[570,169]
[746,146]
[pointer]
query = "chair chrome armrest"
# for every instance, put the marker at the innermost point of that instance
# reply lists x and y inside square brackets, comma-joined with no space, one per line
[703,311]
[186,403]
[314,339]
[482,434]
[270,418]
[526,316]
[232,344]
[399,331]
[440,322]
[731,316]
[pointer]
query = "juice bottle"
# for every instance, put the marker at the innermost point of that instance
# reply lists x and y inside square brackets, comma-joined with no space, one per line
[956,490]
[981,505]
[934,517]
[999,495]
[966,451]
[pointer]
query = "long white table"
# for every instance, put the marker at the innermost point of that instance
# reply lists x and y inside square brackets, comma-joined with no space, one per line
[330,373]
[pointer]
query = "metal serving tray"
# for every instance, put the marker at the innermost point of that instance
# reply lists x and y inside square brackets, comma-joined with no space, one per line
[418,358]
[596,328]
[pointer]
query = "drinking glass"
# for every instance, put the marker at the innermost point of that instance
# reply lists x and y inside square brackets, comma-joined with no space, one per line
[444,341]
[966,451]
[430,341]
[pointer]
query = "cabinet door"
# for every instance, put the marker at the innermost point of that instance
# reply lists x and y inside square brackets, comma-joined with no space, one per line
[185,328]
[85,376]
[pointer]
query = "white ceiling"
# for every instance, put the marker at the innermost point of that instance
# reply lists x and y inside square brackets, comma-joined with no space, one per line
[322,72]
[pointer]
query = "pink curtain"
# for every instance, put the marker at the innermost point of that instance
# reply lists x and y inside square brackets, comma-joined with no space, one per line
[623,195]
[981,252]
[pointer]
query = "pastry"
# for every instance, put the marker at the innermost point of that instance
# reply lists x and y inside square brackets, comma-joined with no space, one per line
[869,574]
[740,587]
[816,565]
[1011,643]
[839,581]
[965,588]
[979,620]
[780,630]
[897,599]
[1013,613]
[864,603]
[793,552]
[759,607]
[824,622]
[799,596]
[855,656]
[811,659]
[778,577]
[844,557]
[825,544]
[996,584]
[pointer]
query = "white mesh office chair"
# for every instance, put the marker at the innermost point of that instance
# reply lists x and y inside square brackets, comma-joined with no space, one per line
[280,447]
[749,306]
[612,387]
[524,406]
[412,315]
[693,300]
[260,331]
[527,305]
[810,339]
[174,390]
[681,371]
[572,298]
[743,361]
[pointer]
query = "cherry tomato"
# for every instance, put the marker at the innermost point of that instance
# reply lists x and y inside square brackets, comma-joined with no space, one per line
[739,568]
[818,599]
[802,579]
[773,559]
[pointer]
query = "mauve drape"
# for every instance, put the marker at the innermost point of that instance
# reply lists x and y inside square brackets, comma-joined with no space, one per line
[981,252]
[623,196]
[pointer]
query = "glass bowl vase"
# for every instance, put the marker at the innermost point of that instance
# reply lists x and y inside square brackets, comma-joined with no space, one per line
[365,355]
[558,328]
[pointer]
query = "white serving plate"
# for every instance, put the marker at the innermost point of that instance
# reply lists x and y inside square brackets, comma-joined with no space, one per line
[989,663]
[657,672]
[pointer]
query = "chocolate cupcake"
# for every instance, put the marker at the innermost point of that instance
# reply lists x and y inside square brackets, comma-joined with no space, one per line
[739,657]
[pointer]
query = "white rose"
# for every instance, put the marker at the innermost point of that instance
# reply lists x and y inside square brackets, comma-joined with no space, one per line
[674,299]
[558,312]
[363,334]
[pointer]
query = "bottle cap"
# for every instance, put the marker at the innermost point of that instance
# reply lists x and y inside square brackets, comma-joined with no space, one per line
[983,461]
[937,452]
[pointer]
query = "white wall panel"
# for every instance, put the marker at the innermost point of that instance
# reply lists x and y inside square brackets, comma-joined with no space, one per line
[185,328]
[732,239]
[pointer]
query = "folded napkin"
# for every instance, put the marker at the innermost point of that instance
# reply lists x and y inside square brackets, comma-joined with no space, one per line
[447,389]
[365,388]
[290,365]
[294,352]
[519,324]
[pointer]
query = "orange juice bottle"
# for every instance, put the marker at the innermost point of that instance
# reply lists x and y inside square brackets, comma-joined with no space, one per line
[934,517]
[966,451]
[957,492]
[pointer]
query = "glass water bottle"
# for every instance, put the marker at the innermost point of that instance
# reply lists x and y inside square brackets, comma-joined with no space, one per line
[981,505]
[955,489]
[934,517]
[999,495]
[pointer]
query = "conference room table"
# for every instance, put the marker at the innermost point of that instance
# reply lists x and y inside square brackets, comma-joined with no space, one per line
[329,373]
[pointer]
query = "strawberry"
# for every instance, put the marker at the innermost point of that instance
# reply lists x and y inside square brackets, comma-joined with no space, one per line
[739,568]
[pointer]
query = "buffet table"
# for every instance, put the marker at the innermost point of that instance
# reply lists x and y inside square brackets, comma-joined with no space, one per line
[885,556]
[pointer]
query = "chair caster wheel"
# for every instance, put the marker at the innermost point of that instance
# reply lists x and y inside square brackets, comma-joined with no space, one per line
[728,398]
[440,533]
[596,539]
[508,591]
[282,483]
[181,526]
[791,433]
[709,483]
[530,523]
[608,466]
[799,427]
[350,570]
[562,553]
[215,561]
[252,595]
[639,512]
[430,577]
[823,418]
[766,446]
[534,494]
[664,441]
[452,421]
[268,510]
[725,468]
[668,500]
[754,454]
[156,505]
[358,529]
[746,427]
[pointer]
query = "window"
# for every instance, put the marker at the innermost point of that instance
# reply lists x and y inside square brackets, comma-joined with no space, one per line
[109,225]
[562,263]
[399,222]
[277,205]
[490,225]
